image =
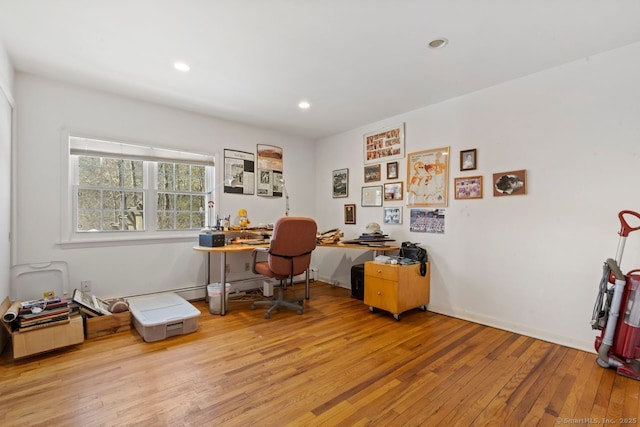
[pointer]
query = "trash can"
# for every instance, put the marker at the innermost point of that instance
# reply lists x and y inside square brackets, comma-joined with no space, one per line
[357,281]
[213,290]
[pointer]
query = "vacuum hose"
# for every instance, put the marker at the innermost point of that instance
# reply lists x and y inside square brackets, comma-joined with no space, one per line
[607,341]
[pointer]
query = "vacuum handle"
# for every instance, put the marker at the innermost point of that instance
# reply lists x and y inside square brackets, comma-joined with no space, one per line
[613,265]
[625,228]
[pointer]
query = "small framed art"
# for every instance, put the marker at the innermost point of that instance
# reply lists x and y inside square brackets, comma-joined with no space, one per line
[372,173]
[392,170]
[468,187]
[392,215]
[393,191]
[349,214]
[372,195]
[468,160]
[340,183]
[510,183]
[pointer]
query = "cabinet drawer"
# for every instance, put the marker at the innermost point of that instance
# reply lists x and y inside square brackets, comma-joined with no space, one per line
[381,293]
[382,271]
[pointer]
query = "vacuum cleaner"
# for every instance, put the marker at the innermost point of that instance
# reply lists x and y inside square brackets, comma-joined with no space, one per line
[617,310]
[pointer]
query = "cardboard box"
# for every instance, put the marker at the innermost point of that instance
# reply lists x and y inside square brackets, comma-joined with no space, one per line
[105,325]
[29,343]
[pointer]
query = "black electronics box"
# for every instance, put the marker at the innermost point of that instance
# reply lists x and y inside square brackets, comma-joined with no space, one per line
[357,281]
[211,240]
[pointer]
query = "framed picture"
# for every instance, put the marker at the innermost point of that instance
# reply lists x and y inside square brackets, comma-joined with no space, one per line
[510,183]
[372,195]
[392,170]
[427,221]
[393,191]
[468,160]
[384,144]
[428,177]
[392,215]
[349,214]
[372,173]
[468,187]
[340,183]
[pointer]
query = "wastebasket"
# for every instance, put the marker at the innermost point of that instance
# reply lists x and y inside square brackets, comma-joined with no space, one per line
[213,290]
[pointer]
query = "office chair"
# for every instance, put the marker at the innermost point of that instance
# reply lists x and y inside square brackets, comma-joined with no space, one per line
[289,254]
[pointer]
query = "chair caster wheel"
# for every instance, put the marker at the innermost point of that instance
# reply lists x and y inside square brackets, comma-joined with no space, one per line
[267,316]
[299,311]
[252,307]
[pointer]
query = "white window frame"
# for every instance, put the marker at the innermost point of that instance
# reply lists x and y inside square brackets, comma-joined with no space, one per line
[70,237]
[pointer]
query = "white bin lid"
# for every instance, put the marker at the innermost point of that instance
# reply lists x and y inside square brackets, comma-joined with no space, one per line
[158,309]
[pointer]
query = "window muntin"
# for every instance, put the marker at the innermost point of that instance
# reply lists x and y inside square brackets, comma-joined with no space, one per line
[181,196]
[109,194]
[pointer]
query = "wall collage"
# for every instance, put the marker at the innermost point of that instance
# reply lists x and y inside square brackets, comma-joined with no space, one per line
[427,182]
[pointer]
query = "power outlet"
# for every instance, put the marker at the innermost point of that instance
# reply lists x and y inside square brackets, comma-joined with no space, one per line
[85,285]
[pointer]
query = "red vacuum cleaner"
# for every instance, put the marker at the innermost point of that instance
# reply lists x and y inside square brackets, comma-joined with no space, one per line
[617,311]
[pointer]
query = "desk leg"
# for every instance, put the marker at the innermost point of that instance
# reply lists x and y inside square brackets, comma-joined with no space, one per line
[207,277]
[306,290]
[223,283]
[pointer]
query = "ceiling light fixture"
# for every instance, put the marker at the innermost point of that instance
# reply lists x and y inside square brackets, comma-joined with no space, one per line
[438,43]
[181,66]
[304,105]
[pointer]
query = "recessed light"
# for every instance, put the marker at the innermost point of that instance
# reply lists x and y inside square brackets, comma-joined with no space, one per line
[303,105]
[181,66]
[438,43]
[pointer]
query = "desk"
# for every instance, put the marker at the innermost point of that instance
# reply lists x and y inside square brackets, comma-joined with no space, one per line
[223,250]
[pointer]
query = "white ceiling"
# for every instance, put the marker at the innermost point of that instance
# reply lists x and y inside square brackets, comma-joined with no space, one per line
[355,61]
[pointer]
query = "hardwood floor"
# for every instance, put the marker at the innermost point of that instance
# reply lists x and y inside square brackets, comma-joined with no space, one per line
[337,364]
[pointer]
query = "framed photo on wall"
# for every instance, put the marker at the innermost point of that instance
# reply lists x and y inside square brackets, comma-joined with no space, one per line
[392,170]
[372,173]
[372,195]
[384,144]
[468,187]
[512,183]
[393,191]
[392,215]
[468,160]
[340,182]
[349,214]
[428,177]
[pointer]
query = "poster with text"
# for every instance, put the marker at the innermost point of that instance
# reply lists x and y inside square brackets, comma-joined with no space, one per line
[239,172]
[269,170]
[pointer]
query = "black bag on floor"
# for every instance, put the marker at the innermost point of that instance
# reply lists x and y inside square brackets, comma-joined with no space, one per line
[416,253]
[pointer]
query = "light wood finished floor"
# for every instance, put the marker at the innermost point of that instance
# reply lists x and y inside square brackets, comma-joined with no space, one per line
[337,364]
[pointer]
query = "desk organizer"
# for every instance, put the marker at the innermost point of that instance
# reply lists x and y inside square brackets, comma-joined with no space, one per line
[160,316]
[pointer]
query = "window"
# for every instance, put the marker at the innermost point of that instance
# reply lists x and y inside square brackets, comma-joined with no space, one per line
[126,188]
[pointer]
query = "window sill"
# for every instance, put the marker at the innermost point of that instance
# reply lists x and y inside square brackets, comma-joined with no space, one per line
[126,241]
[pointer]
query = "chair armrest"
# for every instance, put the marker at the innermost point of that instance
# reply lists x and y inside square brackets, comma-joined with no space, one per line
[254,256]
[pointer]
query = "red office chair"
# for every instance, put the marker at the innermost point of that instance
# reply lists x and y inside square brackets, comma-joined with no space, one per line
[289,254]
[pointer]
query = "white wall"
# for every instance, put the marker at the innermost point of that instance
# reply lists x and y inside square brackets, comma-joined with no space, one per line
[6,99]
[49,108]
[532,263]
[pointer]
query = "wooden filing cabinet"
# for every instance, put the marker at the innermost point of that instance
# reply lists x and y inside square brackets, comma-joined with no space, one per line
[395,288]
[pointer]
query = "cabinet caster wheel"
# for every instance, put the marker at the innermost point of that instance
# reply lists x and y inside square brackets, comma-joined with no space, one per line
[371,309]
[397,317]
[423,307]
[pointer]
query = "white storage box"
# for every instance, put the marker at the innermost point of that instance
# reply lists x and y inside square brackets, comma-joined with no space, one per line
[160,316]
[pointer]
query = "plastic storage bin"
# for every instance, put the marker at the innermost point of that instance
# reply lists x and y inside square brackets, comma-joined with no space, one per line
[213,291]
[160,316]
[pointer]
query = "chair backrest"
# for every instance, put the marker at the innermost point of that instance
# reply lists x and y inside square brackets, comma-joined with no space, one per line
[293,240]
